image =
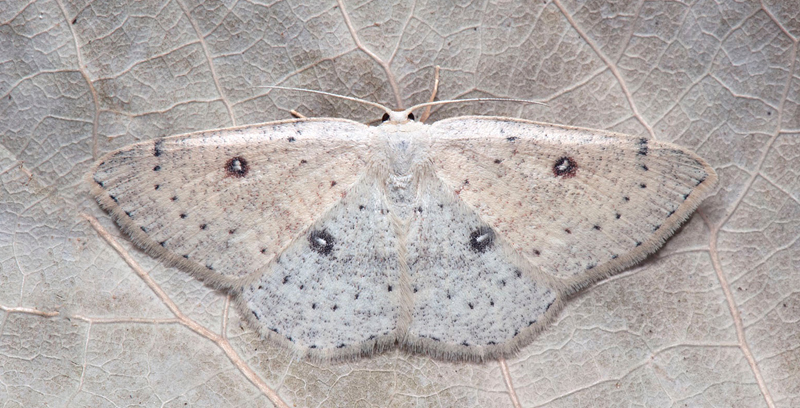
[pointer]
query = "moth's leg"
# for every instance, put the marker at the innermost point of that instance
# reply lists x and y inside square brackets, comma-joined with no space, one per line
[297,114]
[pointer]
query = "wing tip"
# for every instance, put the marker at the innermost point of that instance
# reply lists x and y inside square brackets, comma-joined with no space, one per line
[702,191]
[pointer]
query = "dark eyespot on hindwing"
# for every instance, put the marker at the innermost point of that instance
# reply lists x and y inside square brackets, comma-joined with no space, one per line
[321,242]
[565,167]
[481,239]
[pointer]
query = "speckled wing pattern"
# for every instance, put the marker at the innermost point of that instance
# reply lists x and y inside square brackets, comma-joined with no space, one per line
[473,296]
[335,291]
[224,204]
[577,204]
[459,239]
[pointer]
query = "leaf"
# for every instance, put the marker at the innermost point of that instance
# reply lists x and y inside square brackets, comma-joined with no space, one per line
[710,320]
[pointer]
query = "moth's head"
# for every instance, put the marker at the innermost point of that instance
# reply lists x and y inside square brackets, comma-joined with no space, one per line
[398,117]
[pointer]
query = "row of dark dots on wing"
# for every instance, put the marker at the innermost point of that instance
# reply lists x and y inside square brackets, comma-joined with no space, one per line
[492,343]
[566,167]
[502,283]
[313,306]
[237,167]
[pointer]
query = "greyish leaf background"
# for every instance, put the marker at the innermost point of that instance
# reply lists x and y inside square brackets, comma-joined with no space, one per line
[711,320]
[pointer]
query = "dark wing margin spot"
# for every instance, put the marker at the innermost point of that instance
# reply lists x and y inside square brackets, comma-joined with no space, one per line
[642,143]
[700,181]
[158,148]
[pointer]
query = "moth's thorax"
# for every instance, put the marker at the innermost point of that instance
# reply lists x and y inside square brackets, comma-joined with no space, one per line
[404,146]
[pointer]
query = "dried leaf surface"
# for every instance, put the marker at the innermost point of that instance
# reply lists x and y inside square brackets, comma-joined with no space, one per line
[710,320]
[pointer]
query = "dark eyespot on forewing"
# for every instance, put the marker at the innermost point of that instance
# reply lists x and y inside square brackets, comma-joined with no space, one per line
[237,167]
[565,167]
[481,239]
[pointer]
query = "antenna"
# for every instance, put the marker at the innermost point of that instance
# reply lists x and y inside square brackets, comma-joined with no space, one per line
[400,115]
[348,98]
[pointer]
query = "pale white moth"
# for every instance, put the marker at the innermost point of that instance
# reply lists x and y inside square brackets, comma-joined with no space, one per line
[458,239]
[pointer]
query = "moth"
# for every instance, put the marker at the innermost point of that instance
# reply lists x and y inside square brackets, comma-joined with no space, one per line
[458,239]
